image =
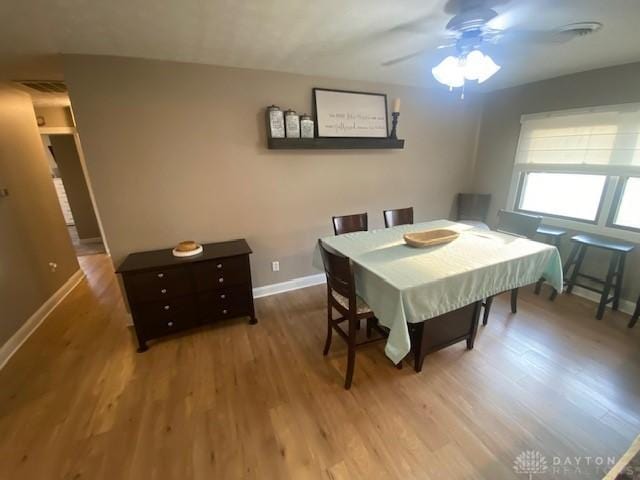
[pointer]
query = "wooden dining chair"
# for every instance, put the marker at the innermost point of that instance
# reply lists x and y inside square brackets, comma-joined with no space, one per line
[341,296]
[520,225]
[350,223]
[473,207]
[399,216]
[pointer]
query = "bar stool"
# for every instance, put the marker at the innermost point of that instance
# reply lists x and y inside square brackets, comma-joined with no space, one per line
[636,315]
[615,275]
[552,236]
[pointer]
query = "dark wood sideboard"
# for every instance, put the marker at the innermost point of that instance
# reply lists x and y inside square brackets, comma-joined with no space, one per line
[168,294]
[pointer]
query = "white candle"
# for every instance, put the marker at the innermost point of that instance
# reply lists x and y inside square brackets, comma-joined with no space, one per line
[396,105]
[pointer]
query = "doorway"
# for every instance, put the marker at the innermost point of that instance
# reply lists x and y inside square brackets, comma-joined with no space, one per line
[64,156]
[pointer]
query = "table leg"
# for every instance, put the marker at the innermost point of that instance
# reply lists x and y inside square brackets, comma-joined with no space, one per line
[474,327]
[418,350]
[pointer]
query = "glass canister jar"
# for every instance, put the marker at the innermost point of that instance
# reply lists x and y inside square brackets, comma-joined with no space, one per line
[306,126]
[275,122]
[292,124]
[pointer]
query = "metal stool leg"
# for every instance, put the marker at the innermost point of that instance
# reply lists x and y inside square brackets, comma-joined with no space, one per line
[607,285]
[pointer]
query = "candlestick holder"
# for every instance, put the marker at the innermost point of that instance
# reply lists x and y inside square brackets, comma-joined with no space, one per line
[394,124]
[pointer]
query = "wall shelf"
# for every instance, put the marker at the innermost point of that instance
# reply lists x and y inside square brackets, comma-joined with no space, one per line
[333,143]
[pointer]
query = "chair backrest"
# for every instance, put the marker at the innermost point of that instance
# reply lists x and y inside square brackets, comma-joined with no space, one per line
[519,224]
[473,206]
[399,216]
[339,273]
[350,223]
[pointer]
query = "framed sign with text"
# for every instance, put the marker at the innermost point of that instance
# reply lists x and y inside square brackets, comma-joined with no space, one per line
[341,113]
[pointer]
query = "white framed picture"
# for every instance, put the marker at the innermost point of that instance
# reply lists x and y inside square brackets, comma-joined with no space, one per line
[342,113]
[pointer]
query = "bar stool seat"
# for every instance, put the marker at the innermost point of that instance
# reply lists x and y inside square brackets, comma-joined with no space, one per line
[603,242]
[554,237]
[615,275]
[552,233]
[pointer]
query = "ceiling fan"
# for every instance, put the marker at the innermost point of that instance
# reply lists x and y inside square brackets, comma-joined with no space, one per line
[474,24]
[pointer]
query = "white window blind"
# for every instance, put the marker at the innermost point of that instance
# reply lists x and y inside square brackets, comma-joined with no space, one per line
[595,137]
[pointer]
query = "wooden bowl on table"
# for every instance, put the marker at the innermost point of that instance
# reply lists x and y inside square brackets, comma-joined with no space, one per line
[430,238]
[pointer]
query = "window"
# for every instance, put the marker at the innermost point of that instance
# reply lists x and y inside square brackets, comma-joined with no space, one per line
[627,212]
[569,195]
[581,169]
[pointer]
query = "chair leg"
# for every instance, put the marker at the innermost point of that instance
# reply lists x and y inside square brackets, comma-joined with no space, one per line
[514,300]
[539,286]
[487,309]
[607,286]
[636,315]
[370,324]
[351,353]
[576,268]
[327,342]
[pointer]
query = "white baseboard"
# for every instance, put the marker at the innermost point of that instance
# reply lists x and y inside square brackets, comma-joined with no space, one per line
[12,345]
[90,240]
[625,306]
[295,284]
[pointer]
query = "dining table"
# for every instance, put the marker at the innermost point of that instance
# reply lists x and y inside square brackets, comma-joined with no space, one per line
[429,298]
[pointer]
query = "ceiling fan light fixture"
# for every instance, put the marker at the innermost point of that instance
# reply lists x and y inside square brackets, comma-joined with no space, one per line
[474,65]
[454,71]
[449,72]
[489,69]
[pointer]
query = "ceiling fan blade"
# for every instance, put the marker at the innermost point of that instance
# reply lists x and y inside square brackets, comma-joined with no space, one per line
[423,24]
[404,58]
[454,7]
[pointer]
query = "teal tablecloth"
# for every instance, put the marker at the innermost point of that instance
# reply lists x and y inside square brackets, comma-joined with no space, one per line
[403,284]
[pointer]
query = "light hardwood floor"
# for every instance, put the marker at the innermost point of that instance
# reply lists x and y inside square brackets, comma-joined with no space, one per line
[237,401]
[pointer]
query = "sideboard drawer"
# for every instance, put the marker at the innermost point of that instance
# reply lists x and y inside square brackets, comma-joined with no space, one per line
[161,318]
[168,308]
[168,326]
[222,273]
[158,284]
[220,298]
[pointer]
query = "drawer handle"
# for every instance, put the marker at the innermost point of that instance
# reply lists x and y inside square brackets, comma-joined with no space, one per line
[223,296]
[219,266]
[224,312]
[161,275]
[221,280]
[167,307]
[169,324]
[164,290]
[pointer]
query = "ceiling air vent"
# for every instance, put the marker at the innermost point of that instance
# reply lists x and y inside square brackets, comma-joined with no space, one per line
[580,29]
[44,86]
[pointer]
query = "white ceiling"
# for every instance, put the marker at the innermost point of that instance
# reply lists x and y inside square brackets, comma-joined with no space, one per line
[336,38]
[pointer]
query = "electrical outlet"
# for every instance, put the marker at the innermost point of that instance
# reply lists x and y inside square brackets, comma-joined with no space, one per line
[275,266]
[53,267]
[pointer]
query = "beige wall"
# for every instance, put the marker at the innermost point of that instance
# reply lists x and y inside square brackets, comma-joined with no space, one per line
[501,128]
[178,151]
[55,116]
[68,161]
[32,230]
